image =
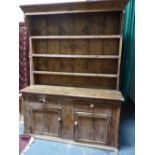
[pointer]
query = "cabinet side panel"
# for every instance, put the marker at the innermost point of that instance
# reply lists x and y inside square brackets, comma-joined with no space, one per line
[115,125]
[27,120]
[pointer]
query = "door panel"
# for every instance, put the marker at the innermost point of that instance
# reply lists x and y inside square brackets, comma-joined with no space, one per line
[101,129]
[85,128]
[53,123]
[45,120]
[92,127]
[38,122]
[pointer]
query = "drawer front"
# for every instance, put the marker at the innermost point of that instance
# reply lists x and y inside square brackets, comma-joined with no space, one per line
[92,107]
[43,99]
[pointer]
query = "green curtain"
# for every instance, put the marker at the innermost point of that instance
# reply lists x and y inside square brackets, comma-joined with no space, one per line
[128,51]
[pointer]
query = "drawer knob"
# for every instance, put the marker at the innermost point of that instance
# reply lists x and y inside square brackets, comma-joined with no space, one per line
[59,119]
[91,105]
[42,100]
[75,123]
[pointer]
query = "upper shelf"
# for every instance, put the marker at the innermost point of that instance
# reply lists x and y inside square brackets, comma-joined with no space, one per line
[76,74]
[76,56]
[77,37]
[89,6]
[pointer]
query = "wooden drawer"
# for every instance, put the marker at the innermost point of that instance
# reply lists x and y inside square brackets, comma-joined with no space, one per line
[93,107]
[43,99]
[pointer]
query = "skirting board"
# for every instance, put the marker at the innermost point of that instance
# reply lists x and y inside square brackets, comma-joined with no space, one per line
[44,137]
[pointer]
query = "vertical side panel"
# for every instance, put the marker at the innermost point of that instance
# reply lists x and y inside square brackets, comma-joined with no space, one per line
[31,63]
[113,141]
[119,63]
[120,50]
[27,120]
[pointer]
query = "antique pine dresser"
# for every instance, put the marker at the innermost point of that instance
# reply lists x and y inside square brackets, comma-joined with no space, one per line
[75,57]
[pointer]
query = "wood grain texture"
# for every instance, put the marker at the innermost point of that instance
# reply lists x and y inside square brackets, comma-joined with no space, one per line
[96,124]
[75,56]
[71,34]
[73,91]
[75,24]
[76,81]
[106,66]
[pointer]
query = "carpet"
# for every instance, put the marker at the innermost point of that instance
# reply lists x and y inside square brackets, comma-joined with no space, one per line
[24,143]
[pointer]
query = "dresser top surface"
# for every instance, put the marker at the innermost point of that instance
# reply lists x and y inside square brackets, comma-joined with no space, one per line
[105,5]
[74,92]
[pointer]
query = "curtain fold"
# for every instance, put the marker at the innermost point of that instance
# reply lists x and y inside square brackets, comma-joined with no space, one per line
[128,52]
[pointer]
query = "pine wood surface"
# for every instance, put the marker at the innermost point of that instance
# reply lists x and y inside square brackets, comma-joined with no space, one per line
[75,57]
[74,92]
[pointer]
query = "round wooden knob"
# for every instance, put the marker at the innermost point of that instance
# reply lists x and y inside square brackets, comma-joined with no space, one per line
[59,119]
[42,100]
[91,105]
[75,123]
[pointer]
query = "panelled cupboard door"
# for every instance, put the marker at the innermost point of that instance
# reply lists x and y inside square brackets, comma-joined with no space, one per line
[92,127]
[45,120]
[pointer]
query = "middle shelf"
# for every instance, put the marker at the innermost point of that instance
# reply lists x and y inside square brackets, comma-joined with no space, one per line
[75,56]
[75,65]
[77,37]
[76,74]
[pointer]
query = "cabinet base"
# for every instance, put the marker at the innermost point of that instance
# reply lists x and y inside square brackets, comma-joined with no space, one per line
[72,142]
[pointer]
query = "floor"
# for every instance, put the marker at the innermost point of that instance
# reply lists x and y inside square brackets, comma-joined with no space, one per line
[127,140]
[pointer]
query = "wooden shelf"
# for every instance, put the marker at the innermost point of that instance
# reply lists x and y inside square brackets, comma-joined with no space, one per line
[76,56]
[77,37]
[76,74]
[74,91]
